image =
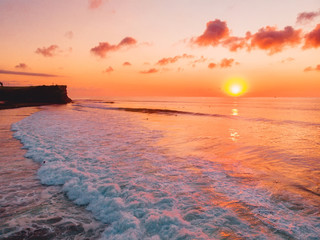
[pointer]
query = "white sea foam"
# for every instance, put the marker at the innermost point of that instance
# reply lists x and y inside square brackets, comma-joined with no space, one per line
[114,164]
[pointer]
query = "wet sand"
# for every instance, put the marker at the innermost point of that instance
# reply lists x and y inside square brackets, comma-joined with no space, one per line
[29,210]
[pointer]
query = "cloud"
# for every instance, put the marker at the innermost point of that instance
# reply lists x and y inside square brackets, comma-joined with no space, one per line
[69,34]
[21,66]
[151,70]
[165,61]
[216,31]
[95,3]
[212,65]
[108,70]
[48,51]
[306,17]
[312,39]
[308,69]
[27,74]
[200,60]
[104,47]
[317,68]
[235,43]
[289,59]
[226,62]
[127,41]
[267,38]
[273,40]
[126,64]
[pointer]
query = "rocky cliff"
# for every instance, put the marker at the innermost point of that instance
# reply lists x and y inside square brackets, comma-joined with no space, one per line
[11,97]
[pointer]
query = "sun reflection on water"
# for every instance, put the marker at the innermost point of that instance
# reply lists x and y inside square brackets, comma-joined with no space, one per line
[234,135]
[234,112]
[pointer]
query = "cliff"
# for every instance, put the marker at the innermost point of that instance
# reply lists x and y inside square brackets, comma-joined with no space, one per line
[12,97]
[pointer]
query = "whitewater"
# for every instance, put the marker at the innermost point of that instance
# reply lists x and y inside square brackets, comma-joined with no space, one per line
[184,168]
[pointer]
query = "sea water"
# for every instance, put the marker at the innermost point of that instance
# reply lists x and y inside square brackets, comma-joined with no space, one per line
[184,168]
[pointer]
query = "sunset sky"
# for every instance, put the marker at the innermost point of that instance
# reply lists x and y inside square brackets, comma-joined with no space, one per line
[162,47]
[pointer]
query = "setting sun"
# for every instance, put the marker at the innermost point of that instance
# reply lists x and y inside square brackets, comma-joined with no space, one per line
[166,119]
[235,87]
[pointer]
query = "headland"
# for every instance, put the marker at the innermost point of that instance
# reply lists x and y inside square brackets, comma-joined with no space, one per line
[14,97]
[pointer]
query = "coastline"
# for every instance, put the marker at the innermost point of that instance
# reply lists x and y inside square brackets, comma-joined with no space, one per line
[5,106]
[28,209]
[31,96]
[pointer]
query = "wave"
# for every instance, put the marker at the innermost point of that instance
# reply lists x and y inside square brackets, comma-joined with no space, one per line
[139,190]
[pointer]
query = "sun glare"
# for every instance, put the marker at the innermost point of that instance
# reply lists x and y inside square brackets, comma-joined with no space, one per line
[235,87]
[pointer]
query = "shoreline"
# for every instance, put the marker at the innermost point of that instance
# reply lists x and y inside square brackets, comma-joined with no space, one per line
[28,209]
[5,106]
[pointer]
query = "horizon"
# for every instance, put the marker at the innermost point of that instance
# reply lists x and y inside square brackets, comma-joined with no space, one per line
[101,48]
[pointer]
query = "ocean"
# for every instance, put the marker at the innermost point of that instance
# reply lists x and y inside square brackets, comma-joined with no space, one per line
[165,168]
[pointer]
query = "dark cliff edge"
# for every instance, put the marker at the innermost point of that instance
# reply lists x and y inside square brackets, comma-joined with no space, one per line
[13,97]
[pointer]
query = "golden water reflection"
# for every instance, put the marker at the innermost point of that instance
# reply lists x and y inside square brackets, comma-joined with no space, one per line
[234,135]
[234,112]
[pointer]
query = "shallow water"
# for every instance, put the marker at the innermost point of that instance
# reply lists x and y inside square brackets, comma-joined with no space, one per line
[29,210]
[185,168]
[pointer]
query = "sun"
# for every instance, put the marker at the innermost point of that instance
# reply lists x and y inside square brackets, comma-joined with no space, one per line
[235,87]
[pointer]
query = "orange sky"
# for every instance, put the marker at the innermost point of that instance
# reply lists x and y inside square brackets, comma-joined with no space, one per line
[162,48]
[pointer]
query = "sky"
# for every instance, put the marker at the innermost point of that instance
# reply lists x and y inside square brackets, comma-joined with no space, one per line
[162,47]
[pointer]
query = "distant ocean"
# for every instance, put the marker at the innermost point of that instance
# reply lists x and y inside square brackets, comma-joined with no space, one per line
[171,168]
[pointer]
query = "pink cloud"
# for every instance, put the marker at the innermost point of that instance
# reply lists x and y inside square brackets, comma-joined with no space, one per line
[308,69]
[165,61]
[104,47]
[306,17]
[216,31]
[127,41]
[212,65]
[267,38]
[108,70]
[47,51]
[226,62]
[234,43]
[126,64]
[312,39]
[273,40]
[151,70]
[21,66]
[95,3]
